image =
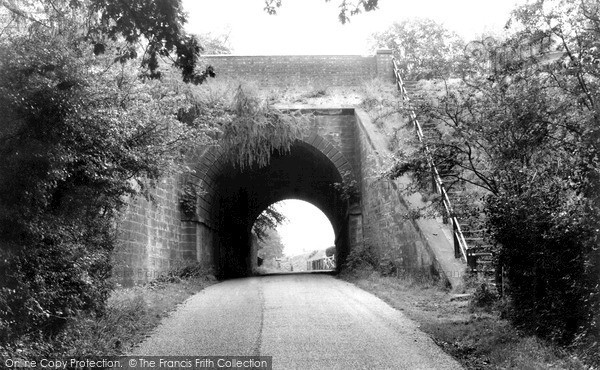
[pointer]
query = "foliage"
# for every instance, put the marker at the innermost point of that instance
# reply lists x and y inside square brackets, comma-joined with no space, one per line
[130,316]
[267,221]
[152,29]
[181,270]
[547,238]
[270,246]
[256,130]
[347,8]
[79,134]
[214,44]
[330,251]
[527,133]
[189,197]
[347,188]
[423,48]
[362,257]
[247,129]
[483,297]
[478,339]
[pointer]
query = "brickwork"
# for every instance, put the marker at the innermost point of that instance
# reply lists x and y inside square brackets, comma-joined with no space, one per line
[155,235]
[302,70]
[337,127]
[385,69]
[150,235]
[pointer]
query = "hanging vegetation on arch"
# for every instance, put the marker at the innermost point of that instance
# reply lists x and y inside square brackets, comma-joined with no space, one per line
[256,130]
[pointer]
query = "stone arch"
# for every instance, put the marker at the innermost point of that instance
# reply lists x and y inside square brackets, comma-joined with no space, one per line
[307,172]
[212,162]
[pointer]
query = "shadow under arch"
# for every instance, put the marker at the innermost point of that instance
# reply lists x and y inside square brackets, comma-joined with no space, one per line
[233,199]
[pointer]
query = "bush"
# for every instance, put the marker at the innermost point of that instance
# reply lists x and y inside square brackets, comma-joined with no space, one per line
[483,297]
[362,257]
[182,270]
[76,139]
[549,252]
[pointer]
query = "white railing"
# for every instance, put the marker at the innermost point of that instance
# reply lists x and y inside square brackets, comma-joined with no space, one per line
[325,263]
[460,245]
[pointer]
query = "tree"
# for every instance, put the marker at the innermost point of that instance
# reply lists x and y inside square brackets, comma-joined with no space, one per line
[268,220]
[93,115]
[153,29]
[214,44]
[80,132]
[270,247]
[422,47]
[526,131]
[347,9]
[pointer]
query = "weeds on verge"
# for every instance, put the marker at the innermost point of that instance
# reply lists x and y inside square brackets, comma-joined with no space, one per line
[130,315]
[472,332]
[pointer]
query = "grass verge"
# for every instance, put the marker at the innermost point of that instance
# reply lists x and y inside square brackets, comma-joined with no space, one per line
[478,338]
[131,314]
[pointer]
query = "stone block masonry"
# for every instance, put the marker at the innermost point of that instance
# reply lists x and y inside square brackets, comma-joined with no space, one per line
[386,226]
[155,235]
[314,71]
[151,236]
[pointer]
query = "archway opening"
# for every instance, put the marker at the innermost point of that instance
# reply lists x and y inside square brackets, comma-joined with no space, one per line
[304,242]
[239,197]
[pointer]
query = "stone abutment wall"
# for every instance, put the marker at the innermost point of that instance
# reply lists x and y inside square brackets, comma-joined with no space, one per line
[157,235]
[387,226]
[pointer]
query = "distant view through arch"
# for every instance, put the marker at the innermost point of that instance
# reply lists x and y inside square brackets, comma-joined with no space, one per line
[304,242]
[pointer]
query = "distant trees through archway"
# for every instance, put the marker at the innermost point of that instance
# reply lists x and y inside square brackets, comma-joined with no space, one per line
[305,241]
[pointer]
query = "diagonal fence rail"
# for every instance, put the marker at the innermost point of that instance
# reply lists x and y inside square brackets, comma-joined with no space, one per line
[325,263]
[461,249]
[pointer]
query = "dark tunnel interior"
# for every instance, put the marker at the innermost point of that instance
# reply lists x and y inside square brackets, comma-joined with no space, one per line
[302,173]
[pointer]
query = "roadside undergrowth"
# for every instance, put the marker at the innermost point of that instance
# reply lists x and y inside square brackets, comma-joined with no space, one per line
[476,336]
[131,314]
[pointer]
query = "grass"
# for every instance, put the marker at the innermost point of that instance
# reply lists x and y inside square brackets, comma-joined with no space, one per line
[131,314]
[312,95]
[477,337]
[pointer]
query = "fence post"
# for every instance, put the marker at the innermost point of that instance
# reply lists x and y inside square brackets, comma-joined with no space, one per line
[434,186]
[457,251]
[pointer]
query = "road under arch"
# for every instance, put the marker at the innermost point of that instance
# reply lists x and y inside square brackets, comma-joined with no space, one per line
[155,236]
[305,173]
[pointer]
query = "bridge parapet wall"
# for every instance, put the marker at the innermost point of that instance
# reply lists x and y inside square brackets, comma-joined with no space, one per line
[303,70]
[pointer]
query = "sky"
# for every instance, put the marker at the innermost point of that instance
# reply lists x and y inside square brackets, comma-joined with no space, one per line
[312,27]
[308,230]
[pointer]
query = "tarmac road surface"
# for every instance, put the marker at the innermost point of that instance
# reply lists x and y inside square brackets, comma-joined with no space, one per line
[305,321]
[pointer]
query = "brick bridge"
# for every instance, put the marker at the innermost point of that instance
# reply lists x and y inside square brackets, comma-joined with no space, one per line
[153,236]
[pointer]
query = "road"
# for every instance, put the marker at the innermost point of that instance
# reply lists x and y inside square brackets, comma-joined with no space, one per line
[305,321]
